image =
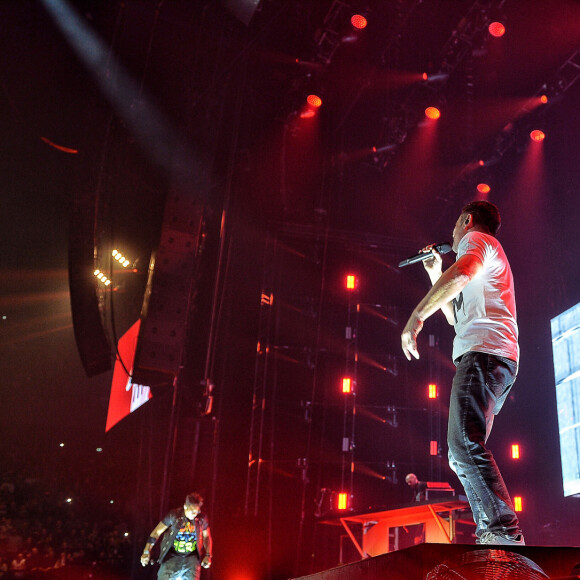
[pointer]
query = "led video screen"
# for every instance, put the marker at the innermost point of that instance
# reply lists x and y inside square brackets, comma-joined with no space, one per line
[566,352]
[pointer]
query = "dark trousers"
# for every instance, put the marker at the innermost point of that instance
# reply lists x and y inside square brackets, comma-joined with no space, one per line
[179,568]
[480,387]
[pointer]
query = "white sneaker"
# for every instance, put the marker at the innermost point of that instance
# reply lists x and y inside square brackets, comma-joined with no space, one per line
[499,540]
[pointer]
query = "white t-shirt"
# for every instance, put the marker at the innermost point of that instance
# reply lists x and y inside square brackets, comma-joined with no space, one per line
[485,311]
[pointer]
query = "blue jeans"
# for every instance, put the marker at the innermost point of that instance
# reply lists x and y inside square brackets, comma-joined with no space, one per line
[179,568]
[480,387]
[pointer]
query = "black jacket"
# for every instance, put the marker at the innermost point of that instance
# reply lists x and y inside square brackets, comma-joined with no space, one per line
[175,520]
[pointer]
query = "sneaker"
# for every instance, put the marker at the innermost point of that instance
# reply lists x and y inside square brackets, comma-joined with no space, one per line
[500,540]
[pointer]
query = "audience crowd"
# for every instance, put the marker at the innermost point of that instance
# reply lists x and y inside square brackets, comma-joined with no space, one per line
[46,534]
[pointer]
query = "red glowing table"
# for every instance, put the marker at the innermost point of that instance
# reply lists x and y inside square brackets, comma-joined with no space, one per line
[436,517]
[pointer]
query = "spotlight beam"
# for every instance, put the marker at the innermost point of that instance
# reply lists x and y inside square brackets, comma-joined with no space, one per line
[363,411]
[371,309]
[566,75]
[363,469]
[160,141]
[34,335]
[243,10]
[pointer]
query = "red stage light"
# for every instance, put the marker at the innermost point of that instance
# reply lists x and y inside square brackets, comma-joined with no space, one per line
[518,503]
[537,135]
[432,391]
[425,76]
[310,108]
[342,500]
[483,188]
[496,29]
[358,21]
[314,101]
[350,282]
[346,385]
[515,451]
[544,99]
[433,448]
[432,113]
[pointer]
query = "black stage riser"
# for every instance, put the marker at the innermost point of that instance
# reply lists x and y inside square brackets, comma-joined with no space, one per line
[416,562]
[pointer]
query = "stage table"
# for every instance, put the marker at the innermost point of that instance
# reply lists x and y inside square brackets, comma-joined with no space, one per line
[436,517]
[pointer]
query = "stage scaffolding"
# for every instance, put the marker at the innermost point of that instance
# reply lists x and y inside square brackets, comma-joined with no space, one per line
[311,333]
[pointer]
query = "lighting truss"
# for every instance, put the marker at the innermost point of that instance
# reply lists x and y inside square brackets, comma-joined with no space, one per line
[470,33]
[329,38]
[566,75]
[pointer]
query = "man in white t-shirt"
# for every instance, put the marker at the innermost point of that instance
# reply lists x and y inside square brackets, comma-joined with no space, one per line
[476,294]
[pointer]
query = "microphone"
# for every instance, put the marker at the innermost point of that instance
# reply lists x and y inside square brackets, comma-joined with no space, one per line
[441,248]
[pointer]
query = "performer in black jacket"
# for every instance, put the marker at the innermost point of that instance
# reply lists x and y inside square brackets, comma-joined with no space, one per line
[186,544]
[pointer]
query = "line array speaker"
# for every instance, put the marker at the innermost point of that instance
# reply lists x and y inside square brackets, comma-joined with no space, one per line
[170,292]
[90,336]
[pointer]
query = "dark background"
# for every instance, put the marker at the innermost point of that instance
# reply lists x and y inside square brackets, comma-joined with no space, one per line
[306,200]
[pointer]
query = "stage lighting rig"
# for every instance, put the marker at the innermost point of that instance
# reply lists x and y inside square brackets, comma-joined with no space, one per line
[391,472]
[391,417]
[343,24]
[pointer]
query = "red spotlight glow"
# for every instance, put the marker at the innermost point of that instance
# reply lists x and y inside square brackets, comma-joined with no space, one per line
[342,500]
[496,29]
[425,76]
[433,448]
[544,99]
[314,101]
[346,385]
[242,572]
[537,135]
[358,21]
[483,188]
[432,113]
[432,391]
[518,503]
[243,575]
[350,282]
[515,451]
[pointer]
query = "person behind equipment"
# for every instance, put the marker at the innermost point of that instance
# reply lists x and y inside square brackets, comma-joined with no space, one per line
[418,488]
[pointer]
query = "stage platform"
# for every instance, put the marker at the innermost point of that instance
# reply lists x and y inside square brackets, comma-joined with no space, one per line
[372,538]
[416,562]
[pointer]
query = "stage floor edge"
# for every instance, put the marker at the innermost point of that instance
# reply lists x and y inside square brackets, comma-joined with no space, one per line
[416,562]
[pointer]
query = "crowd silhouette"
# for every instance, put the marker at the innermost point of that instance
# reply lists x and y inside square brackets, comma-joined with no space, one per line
[51,529]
